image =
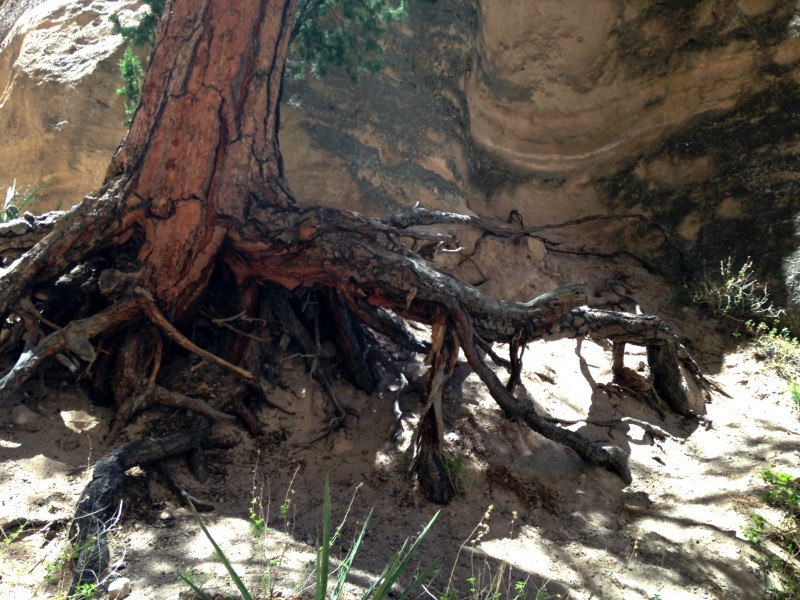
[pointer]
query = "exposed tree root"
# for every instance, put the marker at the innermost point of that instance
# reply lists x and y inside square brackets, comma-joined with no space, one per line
[176,336]
[654,431]
[428,461]
[69,242]
[180,491]
[20,235]
[99,499]
[72,337]
[160,396]
[610,458]
[22,527]
[665,354]
[364,279]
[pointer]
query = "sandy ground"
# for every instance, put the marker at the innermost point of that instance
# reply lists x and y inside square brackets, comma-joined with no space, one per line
[675,533]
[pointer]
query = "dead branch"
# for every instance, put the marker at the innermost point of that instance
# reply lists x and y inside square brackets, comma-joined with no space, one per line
[160,321]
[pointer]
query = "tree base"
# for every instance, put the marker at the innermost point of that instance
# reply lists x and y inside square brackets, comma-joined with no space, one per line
[365,283]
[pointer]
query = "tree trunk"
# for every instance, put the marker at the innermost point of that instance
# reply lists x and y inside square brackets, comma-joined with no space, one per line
[202,151]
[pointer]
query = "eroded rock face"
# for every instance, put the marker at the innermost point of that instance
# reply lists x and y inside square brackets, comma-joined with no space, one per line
[60,118]
[683,110]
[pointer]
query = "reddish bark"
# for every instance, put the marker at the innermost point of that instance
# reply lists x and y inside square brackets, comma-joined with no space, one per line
[203,145]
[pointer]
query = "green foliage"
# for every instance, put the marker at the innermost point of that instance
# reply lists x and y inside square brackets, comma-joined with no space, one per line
[779,348]
[195,580]
[341,34]
[489,581]
[325,34]
[10,538]
[779,542]
[257,523]
[735,293]
[378,590]
[85,591]
[130,67]
[285,511]
[143,33]
[15,203]
[794,390]
[784,490]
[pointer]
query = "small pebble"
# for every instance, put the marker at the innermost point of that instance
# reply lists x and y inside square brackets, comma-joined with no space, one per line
[24,418]
[119,588]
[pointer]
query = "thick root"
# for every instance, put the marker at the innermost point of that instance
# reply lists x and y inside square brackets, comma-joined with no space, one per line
[98,503]
[610,458]
[666,355]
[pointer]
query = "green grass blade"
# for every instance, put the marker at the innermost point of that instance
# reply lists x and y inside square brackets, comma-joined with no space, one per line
[234,576]
[31,195]
[348,562]
[398,565]
[379,579]
[323,555]
[417,581]
[195,589]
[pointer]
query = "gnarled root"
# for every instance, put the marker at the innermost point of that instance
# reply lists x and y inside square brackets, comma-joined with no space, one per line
[665,354]
[610,458]
[74,337]
[428,446]
[99,499]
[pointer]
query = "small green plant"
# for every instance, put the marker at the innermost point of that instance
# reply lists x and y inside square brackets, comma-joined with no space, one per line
[57,567]
[53,568]
[257,524]
[488,581]
[735,293]
[778,347]
[67,555]
[9,538]
[16,202]
[794,391]
[85,591]
[379,588]
[779,543]
[519,590]
[198,579]
[755,533]
[141,34]
[454,466]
